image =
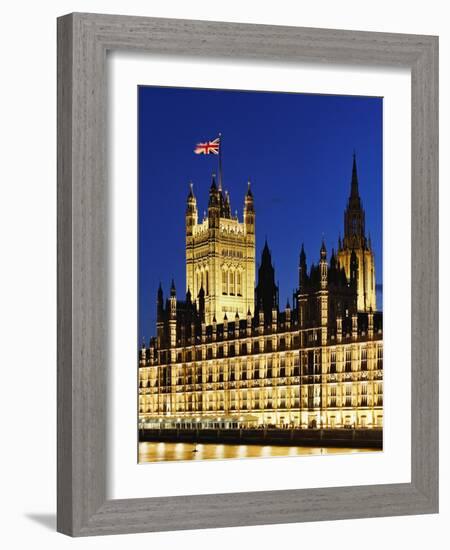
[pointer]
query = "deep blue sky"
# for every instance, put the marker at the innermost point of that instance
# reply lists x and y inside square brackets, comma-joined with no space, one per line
[296,149]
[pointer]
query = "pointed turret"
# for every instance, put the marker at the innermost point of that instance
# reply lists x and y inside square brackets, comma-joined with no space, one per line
[323,266]
[201,303]
[214,204]
[266,257]
[227,206]
[266,290]
[160,315]
[249,211]
[323,251]
[191,201]
[159,303]
[173,301]
[191,210]
[249,190]
[213,187]
[333,259]
[354,193]
[172,308]
[302,270]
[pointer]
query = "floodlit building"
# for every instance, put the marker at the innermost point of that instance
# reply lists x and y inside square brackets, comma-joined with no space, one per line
[228,356]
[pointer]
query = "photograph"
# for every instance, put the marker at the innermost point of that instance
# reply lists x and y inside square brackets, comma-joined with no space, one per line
[260,274]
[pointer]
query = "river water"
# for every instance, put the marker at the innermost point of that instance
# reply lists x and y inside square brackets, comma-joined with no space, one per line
[159,452]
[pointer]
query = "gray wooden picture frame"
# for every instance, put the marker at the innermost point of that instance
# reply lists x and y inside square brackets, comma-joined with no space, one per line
[83,41]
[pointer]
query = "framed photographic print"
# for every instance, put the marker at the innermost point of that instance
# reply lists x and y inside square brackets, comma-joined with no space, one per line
[247,269]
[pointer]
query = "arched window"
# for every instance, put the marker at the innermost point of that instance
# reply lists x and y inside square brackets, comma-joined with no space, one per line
[207,282]
[239,283]
[224,281]
[232,282]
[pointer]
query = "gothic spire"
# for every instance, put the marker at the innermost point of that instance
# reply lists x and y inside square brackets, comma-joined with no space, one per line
[302,270]
[191,207]
[354,217]
[323,251]
[266,256]
[302,255]
[266,289]
[227,206]
[159,302]
[213,183]
[249,191]
[214,204]
[354,187]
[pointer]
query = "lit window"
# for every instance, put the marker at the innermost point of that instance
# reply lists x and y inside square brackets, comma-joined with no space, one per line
[224,282]
[232,279]
[239,283]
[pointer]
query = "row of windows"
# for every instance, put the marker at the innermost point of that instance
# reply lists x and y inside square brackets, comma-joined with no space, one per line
[345,390]
[284,344]
[228,253]
[257,402]
[232,374]
[231,282]
[311,361]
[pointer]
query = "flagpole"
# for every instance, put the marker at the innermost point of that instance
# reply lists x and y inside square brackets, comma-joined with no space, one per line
[220,161]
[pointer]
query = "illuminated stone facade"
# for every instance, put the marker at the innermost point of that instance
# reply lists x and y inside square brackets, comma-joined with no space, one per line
[316,364]
[220,255]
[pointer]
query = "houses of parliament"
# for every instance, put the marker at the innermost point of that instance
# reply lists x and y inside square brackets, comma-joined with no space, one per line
[228,355]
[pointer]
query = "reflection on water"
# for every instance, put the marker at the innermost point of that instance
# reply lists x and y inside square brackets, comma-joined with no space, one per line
[159,452]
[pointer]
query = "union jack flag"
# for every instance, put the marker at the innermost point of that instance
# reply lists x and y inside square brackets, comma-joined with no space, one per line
[208,147]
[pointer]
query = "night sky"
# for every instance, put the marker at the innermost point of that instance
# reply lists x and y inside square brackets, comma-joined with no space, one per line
[295,148]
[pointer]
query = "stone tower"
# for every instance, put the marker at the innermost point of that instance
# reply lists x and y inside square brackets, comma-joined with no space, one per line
[220,255]
[355,243]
